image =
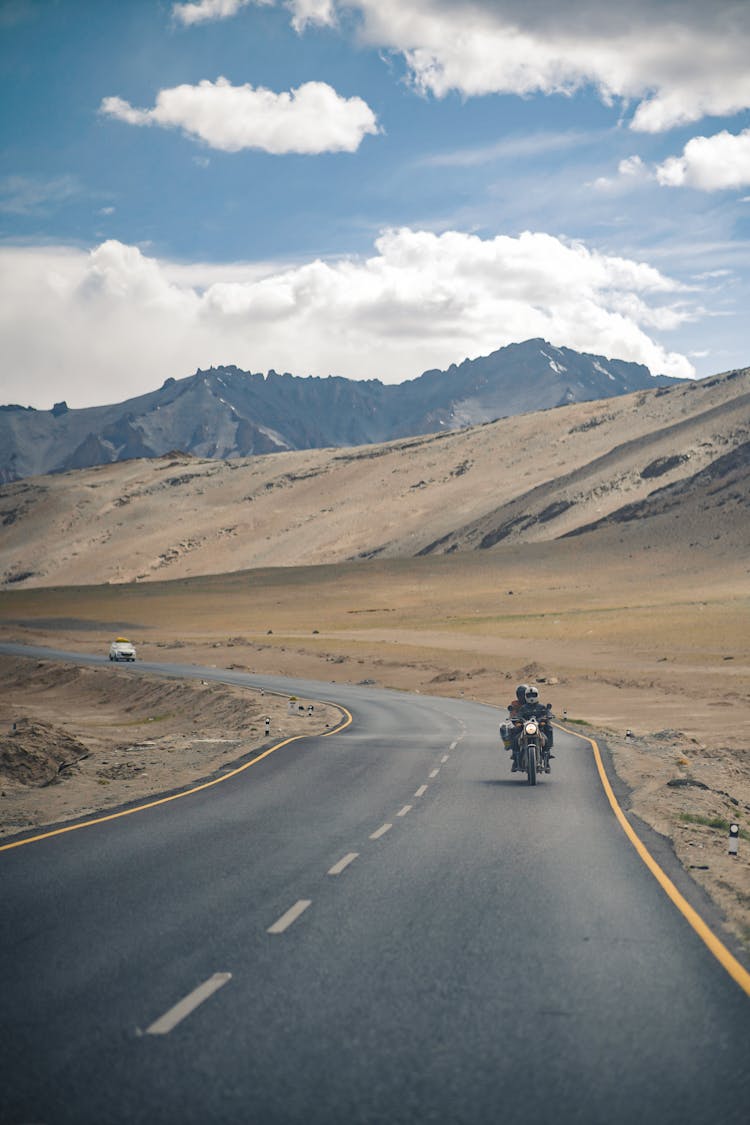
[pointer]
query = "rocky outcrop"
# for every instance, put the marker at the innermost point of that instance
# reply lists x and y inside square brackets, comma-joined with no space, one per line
[35,753]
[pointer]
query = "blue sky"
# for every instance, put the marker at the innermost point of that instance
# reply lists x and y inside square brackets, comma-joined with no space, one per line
[367,188]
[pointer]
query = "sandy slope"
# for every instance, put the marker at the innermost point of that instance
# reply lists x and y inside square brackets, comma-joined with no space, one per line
[559,470]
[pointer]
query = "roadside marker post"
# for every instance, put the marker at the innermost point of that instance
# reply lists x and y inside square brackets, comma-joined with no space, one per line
[268,725]
[734,834]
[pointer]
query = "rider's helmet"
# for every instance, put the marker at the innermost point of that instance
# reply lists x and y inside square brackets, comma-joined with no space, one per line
[521,692]
[532,695]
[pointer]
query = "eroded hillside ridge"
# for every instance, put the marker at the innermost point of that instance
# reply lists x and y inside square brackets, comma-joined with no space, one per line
[640,477]
[226,413]
[662,466]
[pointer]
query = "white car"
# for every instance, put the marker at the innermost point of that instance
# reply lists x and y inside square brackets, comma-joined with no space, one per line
[121,649]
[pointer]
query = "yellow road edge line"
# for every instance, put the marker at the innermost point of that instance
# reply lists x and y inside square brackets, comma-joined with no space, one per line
[178,796]
[730,963]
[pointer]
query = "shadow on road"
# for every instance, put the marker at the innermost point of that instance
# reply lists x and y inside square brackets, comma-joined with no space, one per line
[503,782]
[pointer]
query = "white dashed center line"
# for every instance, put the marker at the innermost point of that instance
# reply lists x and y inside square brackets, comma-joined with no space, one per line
[406,809]
[421,791]
[444,758]
[175,1015]
[343,863]
[291,916]
[434,773]
[453,745]
[381,831]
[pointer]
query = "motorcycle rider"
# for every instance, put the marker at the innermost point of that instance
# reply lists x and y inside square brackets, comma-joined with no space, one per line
[530,709]
[513,708]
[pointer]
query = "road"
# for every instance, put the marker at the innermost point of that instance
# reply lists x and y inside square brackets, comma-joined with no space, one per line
[383,926]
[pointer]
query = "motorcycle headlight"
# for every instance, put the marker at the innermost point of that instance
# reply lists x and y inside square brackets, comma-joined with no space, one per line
[531,728]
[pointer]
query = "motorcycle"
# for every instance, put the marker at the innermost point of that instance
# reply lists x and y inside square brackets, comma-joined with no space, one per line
[534,742]
[533,752]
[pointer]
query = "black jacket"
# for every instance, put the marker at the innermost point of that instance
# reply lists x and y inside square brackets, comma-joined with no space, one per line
[533,711]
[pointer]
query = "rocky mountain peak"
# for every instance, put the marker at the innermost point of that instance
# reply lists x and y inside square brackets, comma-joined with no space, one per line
[225,412]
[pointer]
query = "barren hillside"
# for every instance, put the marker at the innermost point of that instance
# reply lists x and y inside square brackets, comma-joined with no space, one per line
[668,462]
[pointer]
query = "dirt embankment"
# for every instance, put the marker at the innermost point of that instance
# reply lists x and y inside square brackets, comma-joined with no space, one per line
[691,793]
[74,740]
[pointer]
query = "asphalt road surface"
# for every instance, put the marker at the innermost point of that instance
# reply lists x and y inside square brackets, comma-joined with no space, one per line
[378,926]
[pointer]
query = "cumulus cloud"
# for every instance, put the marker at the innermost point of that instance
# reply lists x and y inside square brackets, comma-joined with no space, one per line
[678,60]
[311,119]
[709,163]
[101,326]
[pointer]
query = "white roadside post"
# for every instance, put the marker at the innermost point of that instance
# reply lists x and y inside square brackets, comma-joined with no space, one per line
[734,833]
[268,725]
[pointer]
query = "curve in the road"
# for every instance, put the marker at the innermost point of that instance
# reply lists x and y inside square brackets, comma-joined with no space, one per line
[717,948]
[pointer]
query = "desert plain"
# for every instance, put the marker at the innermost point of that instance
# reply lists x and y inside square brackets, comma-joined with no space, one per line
[636,623]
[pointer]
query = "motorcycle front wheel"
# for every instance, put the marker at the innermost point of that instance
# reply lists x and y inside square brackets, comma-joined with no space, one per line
[531,765]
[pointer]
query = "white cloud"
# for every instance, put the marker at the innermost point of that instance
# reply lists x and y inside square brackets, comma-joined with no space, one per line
[633,168]
[632,173]
[677,60]
[100,327]
[709,163]
[681,60]
[304,12]
[311,119]
[316,12]
[716,163]
[205,10]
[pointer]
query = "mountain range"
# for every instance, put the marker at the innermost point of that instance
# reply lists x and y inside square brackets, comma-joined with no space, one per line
[226,413]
